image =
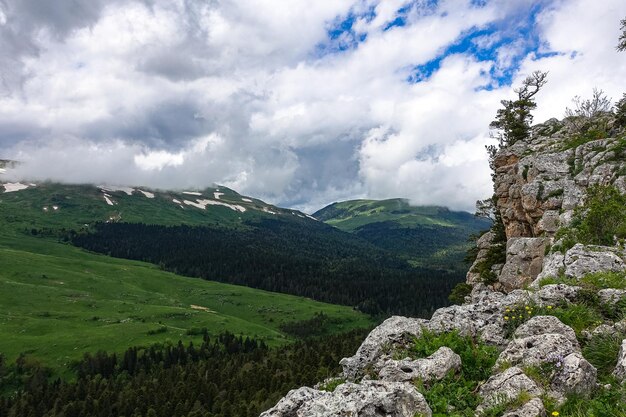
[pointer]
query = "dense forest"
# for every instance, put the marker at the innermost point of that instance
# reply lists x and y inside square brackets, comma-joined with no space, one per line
[319,262]
[226,376]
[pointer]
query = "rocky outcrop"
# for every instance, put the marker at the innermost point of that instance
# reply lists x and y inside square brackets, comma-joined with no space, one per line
[524,259]
[367,399]
[393,331]
[507,386]
[533,408]
[432,368]
[539,325]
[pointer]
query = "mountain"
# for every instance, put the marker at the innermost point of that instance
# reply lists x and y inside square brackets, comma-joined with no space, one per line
[428,236]
[220,235]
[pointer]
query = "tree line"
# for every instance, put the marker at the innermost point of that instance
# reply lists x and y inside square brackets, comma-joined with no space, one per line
[318,262]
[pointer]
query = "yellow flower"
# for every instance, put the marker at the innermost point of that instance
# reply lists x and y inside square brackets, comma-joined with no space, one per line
[506,317]
[521,317]
[555,413]
[550,308]
[527,308]
[508,310]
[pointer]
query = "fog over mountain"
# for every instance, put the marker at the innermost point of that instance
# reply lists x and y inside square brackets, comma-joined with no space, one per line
[297,102]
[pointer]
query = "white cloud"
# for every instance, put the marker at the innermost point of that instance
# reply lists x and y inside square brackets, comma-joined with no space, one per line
[242,93]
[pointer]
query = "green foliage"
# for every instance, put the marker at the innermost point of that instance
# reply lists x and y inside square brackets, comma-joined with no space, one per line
[578,316]
[222,376]
[318,325]
[621,46]
[332,384]
[516,315]
[602,350]
[459,292]
[158,330]
[603,403]
[600,221]
[514,119]
[455,392]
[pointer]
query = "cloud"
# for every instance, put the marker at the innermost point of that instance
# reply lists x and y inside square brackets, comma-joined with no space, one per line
[301,103]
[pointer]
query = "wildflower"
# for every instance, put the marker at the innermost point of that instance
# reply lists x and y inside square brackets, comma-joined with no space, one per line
[506,318]
[521,317]
[550,308]
[555,413]
[527,308]
[508,310]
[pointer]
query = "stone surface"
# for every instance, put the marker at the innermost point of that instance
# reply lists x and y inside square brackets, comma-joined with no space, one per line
[575,376]
[582,260]
[524,259]
[432,368]
[368,399]
[555,294]
[620,367]
[611,295]
[394,330]
[536,350]
[539,325]
[533,408]
[506,386]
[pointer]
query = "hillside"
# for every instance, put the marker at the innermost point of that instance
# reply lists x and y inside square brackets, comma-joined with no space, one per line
[220,235]
[426,235]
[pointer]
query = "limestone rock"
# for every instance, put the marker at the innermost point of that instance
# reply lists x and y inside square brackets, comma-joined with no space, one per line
[554,294]
[394,330]
[524,259]
[620,368]
[506,386]
[582,260]
[536,350]
[611,296]
[533,408]
[369,399]
[553,265]
[432,368]
[575,375]
[539,325]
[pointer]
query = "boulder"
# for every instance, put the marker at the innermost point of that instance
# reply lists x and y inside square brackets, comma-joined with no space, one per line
[575,375]
[611,296]
[582,260]
[620,368]
[539,325]
[533,408]
[394,330]
[524,260]
[369,399]
[506,386]
[554,294]
[432,368]
[536,350]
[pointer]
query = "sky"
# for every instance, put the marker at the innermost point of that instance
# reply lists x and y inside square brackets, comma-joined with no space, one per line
[299,102]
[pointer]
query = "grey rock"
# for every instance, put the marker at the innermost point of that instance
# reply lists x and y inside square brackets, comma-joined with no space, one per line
[533,408]
[603,330]
[611,296]
[394,330]
[553,265]
[582,260]
[549,222]
[506,386]
[620,369]
[432,368]
[369,399]
[524,260]
[575,376]
[536,350]
[554,294]
[539,325]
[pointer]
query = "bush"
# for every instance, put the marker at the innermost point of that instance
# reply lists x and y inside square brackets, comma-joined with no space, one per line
[602,350]
[459,292]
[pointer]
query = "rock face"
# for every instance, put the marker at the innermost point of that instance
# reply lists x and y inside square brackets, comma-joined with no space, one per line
[533,408]
[432,368]
[524,258]
[368,399]
[394,330]
[539,325]
[506,386]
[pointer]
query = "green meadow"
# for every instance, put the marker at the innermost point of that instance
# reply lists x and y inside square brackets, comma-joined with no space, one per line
[58,302]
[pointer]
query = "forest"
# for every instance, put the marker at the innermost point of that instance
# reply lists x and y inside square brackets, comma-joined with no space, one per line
[226,376]
[321,263]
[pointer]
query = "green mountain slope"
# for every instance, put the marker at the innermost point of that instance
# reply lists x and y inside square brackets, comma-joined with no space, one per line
[59,302]
[428,236]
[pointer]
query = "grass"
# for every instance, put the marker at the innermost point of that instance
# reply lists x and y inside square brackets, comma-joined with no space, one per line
[455,395]
[59,302]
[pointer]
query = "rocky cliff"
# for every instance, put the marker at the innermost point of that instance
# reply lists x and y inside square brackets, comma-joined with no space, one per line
[542,331]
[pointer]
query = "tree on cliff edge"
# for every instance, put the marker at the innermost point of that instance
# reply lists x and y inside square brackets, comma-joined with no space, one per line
[621,46]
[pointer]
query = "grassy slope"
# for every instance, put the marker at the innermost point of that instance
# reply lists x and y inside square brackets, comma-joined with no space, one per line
[59,301]
[429,236]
